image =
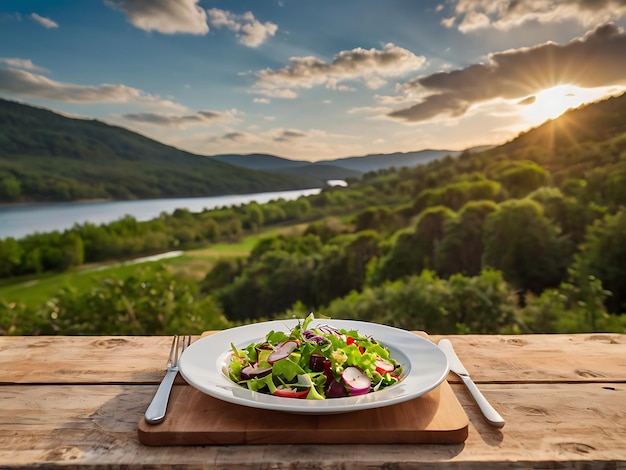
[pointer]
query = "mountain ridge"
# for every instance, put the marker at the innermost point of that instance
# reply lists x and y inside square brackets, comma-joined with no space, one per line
[46,157]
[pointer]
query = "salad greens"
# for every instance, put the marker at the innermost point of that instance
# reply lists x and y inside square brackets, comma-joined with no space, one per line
[314,363]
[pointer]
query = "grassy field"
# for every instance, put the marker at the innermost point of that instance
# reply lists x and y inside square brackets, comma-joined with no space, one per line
[34,291]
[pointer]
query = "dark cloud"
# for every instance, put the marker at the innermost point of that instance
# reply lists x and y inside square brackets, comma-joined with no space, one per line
[235,136]
[286,135]
[176,121]
[597,59]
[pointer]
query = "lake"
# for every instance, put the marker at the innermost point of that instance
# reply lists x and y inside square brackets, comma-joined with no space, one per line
[20,220]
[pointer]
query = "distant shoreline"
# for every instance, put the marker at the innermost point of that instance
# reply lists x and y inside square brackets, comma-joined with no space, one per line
[22,219]
[76,201]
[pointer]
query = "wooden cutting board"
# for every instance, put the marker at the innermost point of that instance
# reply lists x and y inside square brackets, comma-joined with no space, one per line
[194,418]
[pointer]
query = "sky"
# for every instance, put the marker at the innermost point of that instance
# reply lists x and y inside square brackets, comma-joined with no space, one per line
[314,79]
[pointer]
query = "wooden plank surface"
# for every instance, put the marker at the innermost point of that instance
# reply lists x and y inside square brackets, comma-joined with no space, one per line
[490,359]
[196,418]
[579,425]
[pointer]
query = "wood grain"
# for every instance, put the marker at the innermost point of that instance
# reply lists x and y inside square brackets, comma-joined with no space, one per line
[76,401]
[196,418]
[548,426]
[585,358]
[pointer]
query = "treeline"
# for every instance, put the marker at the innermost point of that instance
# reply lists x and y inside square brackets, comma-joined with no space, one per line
[127,238]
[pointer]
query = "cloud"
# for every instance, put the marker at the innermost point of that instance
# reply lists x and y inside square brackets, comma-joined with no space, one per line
[595,60]
[369,110]
[43,21]
[164,16]
[181,121]
[371,65]
[250,32]
[506,14]
[24,83]
[231,137]
[287,135]
[17,63]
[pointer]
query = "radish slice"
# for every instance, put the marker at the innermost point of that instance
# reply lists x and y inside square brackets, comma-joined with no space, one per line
[358,383]
[253,370]
[282,351]
[383,366]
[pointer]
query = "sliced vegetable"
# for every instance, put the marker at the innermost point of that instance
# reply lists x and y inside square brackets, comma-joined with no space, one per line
[282,351]
[291,393]
[383,366]
[317,361]
[254,370]
[336,390]
[358,383]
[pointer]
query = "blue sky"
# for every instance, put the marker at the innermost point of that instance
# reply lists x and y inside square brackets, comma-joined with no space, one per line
[314,80]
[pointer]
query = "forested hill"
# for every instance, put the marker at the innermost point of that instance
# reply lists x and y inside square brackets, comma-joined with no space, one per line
[48,157]
[602,121]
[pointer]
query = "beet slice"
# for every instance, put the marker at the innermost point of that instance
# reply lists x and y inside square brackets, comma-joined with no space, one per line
[316,362]
[336,390]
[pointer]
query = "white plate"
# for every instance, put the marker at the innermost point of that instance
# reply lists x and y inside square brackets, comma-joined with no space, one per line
[424,366]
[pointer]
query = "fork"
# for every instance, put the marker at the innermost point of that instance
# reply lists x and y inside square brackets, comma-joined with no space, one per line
[156,411]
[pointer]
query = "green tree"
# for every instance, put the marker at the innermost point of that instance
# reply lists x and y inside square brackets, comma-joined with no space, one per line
[10,189]
[10,257]
[72,249]
[519,177]
[603,255]
[522,243]
[461,248]
[571,215]
[404,256]
[430,228]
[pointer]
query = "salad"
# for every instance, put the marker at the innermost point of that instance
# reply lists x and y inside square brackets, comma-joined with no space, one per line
[314,363]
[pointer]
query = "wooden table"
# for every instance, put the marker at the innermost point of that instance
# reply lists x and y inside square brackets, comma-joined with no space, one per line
[76,401]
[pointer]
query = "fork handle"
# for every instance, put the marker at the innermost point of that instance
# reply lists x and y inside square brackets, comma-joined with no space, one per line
[156,411]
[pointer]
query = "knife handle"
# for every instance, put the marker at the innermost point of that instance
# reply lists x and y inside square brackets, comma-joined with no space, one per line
[156,411]
[492,416]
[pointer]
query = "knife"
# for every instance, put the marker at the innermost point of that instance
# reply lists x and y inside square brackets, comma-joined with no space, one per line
[492,416]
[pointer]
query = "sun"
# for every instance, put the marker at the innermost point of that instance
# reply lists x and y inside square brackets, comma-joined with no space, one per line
[552,102]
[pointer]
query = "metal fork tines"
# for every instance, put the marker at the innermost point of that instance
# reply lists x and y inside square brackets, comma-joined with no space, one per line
[156,411]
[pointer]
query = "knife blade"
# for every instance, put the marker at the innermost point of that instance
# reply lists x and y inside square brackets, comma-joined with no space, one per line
[456,366]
